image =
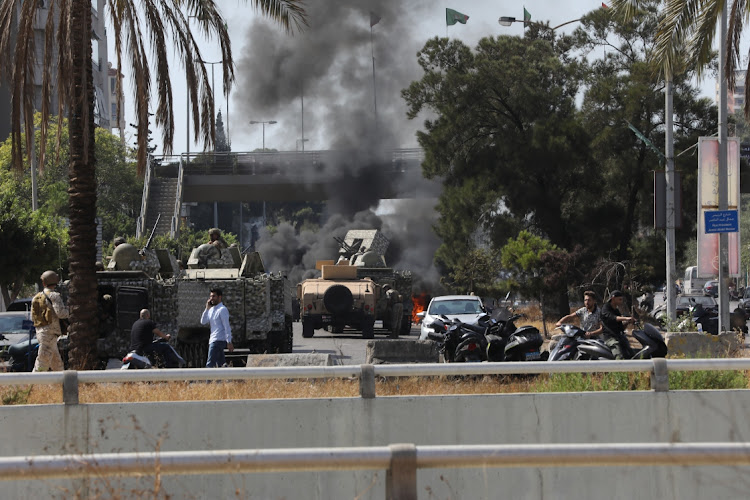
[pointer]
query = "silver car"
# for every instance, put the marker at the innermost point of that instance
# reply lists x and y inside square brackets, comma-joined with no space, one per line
[465,308]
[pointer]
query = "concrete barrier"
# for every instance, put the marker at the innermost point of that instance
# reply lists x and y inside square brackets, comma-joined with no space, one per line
[540,418]
[695,344]
[401,351]
[293,359]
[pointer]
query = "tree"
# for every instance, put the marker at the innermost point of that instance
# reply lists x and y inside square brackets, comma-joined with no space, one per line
[222,144]
[69,38]
[507,140]
[32,242]
[522,257]
[119,189]
[624,90]
[478,273]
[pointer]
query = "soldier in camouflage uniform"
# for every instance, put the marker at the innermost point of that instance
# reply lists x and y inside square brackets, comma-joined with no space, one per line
[215,238]
[47,323]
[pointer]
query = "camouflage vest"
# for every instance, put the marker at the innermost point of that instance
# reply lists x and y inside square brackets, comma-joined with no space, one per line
[41,310]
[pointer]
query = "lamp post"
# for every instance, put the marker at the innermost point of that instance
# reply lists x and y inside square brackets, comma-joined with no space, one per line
[301,141]
[270,122]
[507,21]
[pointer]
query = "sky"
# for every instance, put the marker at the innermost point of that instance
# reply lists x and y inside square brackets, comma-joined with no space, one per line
[328,69]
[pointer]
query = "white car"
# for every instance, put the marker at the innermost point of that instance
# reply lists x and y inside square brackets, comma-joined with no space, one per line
[466,308]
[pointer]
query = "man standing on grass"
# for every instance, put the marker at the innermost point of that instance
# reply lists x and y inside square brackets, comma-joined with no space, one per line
[221,334]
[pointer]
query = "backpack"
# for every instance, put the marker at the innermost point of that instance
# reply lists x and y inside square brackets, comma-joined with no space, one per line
[41,310]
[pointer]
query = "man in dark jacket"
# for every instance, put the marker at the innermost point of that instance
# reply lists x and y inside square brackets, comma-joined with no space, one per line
[614,323]
[142,336]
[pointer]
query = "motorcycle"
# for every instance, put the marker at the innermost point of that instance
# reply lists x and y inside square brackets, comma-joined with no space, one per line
[459,342]
[506,342]
[135,361]
[23,355]
[575,346]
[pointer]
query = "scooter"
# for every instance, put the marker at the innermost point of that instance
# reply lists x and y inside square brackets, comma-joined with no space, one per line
[23,355]
[459,342]
[575,346]
[135,361]
[510,343]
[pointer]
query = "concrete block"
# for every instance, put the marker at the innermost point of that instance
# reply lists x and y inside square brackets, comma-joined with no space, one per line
[292,359]
[401,351]
[695,344]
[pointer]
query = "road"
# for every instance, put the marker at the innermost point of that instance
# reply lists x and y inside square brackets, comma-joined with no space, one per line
[348,348]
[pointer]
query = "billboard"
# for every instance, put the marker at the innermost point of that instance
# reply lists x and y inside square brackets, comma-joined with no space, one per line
[708,200]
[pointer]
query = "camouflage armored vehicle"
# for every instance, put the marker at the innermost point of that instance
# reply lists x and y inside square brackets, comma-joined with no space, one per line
[259,303]
[357,290]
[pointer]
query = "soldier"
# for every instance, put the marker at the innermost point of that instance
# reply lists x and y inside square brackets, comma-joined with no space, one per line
[215,239]
[47,308]
[119,241]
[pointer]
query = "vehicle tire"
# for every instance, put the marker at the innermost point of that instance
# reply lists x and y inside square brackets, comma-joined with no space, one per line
[307,329]
[368,329]
[194,353]
[337,328]
[338,300]
[406,324]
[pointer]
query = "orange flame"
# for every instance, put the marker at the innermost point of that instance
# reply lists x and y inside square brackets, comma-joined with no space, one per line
[420,303]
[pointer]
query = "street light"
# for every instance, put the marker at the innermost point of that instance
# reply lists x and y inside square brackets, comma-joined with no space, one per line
[507,21]
[303,141]
[270,122]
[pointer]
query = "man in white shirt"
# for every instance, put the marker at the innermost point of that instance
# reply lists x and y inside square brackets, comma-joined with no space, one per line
[221,334]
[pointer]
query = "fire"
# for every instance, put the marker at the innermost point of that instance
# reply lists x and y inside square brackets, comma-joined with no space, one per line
[420,303]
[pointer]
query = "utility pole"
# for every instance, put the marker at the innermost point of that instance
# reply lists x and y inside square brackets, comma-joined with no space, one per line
[723,182]
[669,185]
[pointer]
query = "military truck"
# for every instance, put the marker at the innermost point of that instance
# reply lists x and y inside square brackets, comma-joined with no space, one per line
[357,290]
[259,303]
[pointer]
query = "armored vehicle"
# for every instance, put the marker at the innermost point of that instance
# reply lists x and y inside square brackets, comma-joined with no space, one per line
[259,303]
[357,290]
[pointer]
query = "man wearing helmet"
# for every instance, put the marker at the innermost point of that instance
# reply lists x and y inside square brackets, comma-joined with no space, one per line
[215,239]
[46,311]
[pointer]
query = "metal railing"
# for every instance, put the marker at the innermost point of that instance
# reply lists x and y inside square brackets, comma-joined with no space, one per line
[658,368]
[175,226]
[401,461]
[140,223]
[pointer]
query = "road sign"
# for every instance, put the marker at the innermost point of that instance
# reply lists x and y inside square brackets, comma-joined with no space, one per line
[722,221]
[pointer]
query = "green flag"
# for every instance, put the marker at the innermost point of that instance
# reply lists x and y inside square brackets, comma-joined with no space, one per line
[453,16]
[526,16]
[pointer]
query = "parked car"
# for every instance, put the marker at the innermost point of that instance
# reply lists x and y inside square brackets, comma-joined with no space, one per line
[745,300]
[683,303]
[15,326]
[20,305]
[465,308]
[711,288]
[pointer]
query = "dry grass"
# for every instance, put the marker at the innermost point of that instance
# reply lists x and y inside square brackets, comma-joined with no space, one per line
[262,389]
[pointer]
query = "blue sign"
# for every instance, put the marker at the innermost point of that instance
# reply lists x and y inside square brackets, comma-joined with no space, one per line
[722,221]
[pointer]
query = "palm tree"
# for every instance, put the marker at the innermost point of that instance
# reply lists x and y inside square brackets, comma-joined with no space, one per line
[137,24]
[686,33]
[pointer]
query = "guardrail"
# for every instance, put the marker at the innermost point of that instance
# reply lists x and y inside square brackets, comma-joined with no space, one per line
[175,225]
[657,367]
[140,222]
[401,461]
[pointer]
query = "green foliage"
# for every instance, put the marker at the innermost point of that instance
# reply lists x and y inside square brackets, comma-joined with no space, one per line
[119,189]
[181,247]
[620,381]
[32,242]
[17,396]
[522,258]
[477,272]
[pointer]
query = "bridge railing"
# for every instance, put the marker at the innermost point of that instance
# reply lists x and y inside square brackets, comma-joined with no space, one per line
[140,222]
[289,162]
[658,369]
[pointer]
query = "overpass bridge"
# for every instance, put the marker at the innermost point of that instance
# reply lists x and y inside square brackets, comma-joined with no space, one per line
[171,181]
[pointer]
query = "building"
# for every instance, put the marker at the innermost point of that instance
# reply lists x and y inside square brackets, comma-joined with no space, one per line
[736,97]
[102,109]
[116,120]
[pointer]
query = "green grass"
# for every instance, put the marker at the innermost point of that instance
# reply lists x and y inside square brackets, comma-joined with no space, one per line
[583,382]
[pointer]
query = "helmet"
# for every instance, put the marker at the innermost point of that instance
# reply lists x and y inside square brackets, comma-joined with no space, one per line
[214,231]
[119,240]
[50,278]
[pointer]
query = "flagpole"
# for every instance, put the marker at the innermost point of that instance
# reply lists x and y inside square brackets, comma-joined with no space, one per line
[374,88]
